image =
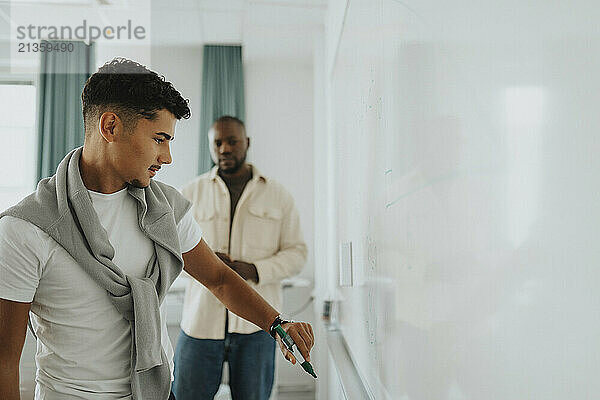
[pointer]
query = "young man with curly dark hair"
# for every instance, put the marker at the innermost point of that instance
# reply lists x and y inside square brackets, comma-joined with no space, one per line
[89,256]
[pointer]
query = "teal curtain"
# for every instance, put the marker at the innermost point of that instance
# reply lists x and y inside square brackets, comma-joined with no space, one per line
[60,121]
[222,93]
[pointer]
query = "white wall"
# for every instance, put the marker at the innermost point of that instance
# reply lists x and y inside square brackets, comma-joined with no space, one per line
[320,187]
[326,255]
[279,121]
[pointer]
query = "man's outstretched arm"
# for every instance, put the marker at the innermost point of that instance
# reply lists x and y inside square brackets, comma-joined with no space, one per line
[13,327]
[204,266]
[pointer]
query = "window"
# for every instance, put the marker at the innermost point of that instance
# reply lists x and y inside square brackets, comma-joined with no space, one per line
[18,142]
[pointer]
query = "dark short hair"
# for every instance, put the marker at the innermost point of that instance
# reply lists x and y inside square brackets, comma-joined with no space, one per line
[230,119]
[132,91]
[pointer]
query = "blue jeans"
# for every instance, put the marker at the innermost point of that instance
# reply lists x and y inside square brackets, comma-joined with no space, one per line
[199,366]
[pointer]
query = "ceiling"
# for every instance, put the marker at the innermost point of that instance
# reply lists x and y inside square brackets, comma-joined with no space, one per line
[262,26]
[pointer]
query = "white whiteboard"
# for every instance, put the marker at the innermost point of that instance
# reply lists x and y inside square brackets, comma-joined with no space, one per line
[467,139]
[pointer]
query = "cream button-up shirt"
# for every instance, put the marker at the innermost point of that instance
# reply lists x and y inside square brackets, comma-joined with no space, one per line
[265,232]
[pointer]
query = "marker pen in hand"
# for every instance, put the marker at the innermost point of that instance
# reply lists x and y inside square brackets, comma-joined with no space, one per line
[289,344]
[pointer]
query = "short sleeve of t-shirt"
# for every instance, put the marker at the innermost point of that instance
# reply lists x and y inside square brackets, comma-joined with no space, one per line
[23,255]
[189,232]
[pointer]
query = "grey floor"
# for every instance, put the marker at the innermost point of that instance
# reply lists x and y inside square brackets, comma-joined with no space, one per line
[27,373]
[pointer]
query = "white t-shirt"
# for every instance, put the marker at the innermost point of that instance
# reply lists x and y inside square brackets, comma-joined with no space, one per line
[84,344]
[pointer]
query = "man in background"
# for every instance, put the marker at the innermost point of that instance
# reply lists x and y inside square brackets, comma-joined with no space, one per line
[250,221]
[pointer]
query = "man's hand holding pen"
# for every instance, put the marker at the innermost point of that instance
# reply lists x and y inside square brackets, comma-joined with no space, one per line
[300,332]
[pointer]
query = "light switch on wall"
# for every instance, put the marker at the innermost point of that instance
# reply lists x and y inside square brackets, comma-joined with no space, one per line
[345,264]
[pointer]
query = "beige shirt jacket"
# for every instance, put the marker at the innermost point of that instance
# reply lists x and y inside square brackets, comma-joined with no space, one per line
[265,232]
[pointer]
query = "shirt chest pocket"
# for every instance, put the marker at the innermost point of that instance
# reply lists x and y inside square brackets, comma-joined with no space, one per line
[261,229]
[208,221]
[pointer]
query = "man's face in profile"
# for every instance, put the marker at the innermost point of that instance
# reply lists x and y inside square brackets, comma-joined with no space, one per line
[228,146]
[140,154]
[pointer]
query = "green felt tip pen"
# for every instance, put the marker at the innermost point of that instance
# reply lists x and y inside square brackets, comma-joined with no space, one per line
[289,343]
